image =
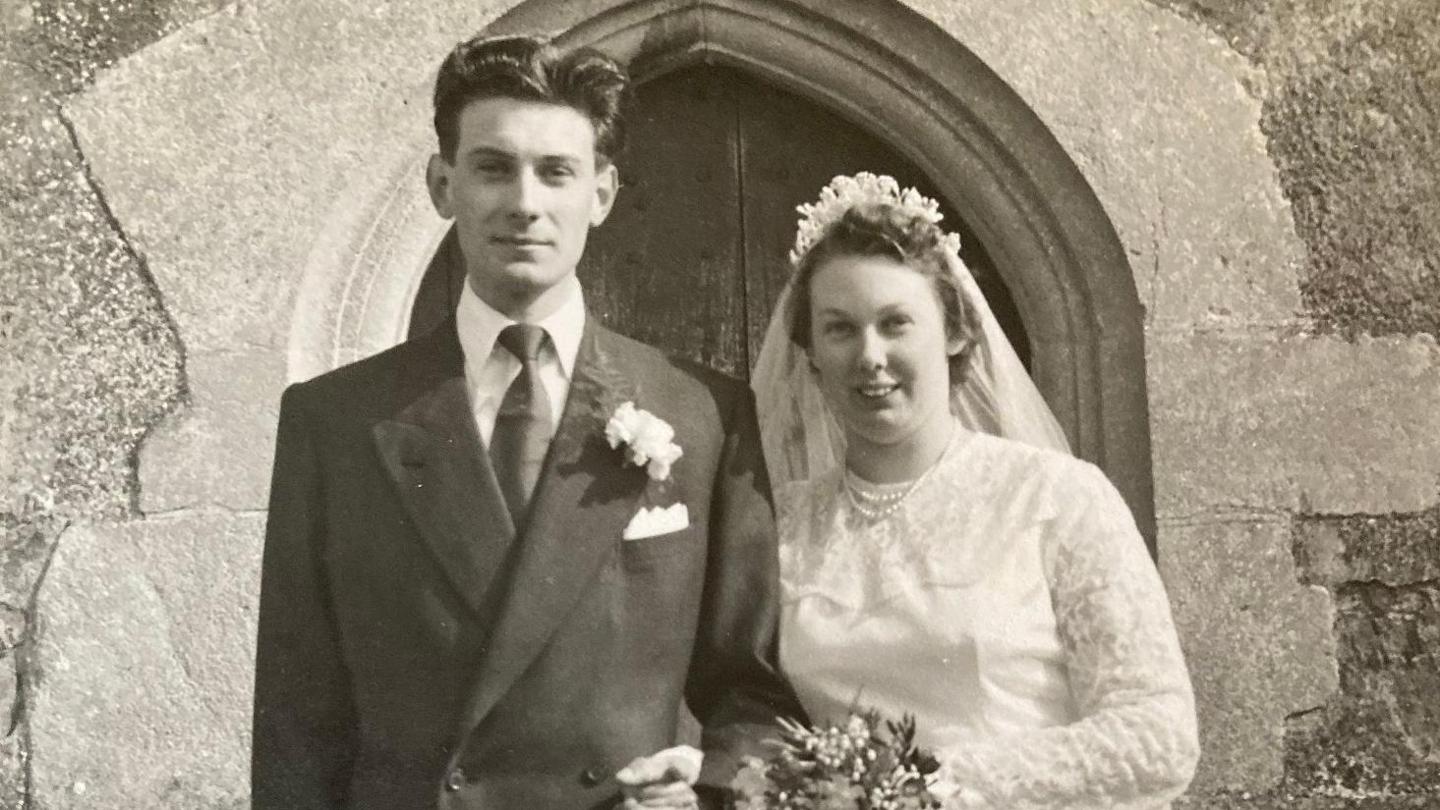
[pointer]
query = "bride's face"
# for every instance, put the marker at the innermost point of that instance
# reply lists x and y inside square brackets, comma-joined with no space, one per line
[878,345]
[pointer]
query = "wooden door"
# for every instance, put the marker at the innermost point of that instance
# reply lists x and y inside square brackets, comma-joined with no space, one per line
[694,253]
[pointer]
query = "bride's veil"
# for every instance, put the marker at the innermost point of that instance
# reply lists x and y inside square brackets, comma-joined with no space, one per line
[802,438]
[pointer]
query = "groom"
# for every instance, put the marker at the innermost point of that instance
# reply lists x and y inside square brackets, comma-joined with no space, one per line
[488,580]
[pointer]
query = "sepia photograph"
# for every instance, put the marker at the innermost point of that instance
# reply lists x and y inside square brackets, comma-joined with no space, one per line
[724,404]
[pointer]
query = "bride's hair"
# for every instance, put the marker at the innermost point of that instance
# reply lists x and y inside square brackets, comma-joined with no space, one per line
[893,232]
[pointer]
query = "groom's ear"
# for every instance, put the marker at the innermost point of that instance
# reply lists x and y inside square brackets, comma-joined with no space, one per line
[437,179]
[607,185]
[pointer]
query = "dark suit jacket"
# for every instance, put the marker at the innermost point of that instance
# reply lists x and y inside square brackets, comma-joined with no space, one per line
[416,651]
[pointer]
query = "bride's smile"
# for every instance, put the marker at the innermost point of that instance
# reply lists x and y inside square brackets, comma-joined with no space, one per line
[878,391]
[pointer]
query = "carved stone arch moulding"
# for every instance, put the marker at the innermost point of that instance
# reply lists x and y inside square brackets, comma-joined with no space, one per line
[894,73]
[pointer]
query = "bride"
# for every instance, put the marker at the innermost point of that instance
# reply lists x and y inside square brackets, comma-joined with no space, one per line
[942,554]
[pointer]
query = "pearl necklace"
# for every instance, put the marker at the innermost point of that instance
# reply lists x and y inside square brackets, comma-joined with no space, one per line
[875,506]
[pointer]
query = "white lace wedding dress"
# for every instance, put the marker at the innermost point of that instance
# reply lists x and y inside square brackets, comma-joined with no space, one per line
[1010,605]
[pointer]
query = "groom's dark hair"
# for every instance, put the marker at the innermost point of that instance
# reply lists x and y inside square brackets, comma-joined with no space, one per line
[531,69]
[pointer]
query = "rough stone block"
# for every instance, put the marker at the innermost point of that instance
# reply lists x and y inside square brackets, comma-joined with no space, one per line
[1351,129]
[1157,114]
[25,546]
[1390,549]
[12,737]
[1260,645]
[87,359]
[217,450]
[224,148]
[13,626]
[1380,735]
[12,769]
[1307,424]
[143,668]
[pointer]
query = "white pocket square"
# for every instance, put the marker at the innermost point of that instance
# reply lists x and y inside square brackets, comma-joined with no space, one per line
[653,520]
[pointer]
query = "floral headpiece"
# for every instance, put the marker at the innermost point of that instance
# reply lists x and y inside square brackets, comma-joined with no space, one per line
[846,192]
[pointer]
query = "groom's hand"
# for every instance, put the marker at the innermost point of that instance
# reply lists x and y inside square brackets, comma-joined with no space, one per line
[661,780]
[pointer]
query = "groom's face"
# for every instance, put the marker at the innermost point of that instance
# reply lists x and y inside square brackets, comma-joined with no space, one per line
[524,190]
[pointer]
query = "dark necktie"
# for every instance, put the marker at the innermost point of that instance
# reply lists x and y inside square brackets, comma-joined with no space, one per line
[522,425]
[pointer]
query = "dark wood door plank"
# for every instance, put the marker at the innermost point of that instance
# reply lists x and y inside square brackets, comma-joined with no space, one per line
[665,268]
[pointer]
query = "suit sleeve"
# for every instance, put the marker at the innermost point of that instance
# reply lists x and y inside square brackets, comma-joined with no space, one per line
[734,687]
[304,719]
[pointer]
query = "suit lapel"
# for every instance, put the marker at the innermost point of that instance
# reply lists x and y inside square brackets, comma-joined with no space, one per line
[581,504]
[433,453]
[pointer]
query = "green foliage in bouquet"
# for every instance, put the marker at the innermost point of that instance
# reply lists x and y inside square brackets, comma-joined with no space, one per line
[867,764]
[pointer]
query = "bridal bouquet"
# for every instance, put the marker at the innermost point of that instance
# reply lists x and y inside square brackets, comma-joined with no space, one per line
[866,764]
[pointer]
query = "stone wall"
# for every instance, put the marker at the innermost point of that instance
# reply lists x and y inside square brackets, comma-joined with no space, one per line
[1286,259]
[91,361]
[1351,123]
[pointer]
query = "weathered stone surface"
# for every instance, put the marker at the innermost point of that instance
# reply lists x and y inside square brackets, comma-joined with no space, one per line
[9,692]
[87,357]
[12,630]
[223,178]
[70,40]
[217,451]
[1381,733]
[12,772]
[1259,644]
[1266,421]
[12,763]
[89,361]
[144,664]
[1351,126]
[28,541]
[1191,190]
[1392,549]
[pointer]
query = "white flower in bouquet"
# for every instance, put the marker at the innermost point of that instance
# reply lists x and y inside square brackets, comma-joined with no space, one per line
[865,764]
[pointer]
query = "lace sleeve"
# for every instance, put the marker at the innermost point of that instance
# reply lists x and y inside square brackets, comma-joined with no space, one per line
[1135,744]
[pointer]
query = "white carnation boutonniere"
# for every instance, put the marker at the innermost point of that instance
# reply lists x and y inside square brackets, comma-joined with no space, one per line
[648,439]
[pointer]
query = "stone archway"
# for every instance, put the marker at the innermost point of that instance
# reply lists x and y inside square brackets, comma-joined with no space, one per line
[979,142]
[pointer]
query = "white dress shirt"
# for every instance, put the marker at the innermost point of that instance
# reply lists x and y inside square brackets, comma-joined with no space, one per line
[490,368]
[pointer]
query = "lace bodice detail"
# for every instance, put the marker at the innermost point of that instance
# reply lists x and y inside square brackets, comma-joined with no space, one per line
[1009,603]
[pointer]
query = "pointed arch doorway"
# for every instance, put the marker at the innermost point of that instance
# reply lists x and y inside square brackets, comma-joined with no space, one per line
[944,121]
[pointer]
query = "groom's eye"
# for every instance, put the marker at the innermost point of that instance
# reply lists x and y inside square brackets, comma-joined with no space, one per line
[557,172]
[492,168]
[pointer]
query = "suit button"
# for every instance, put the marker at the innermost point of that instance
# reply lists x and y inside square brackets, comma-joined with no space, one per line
[592,777]
[455,780]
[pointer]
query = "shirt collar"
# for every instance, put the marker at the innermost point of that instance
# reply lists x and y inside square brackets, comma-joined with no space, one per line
[479,325]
